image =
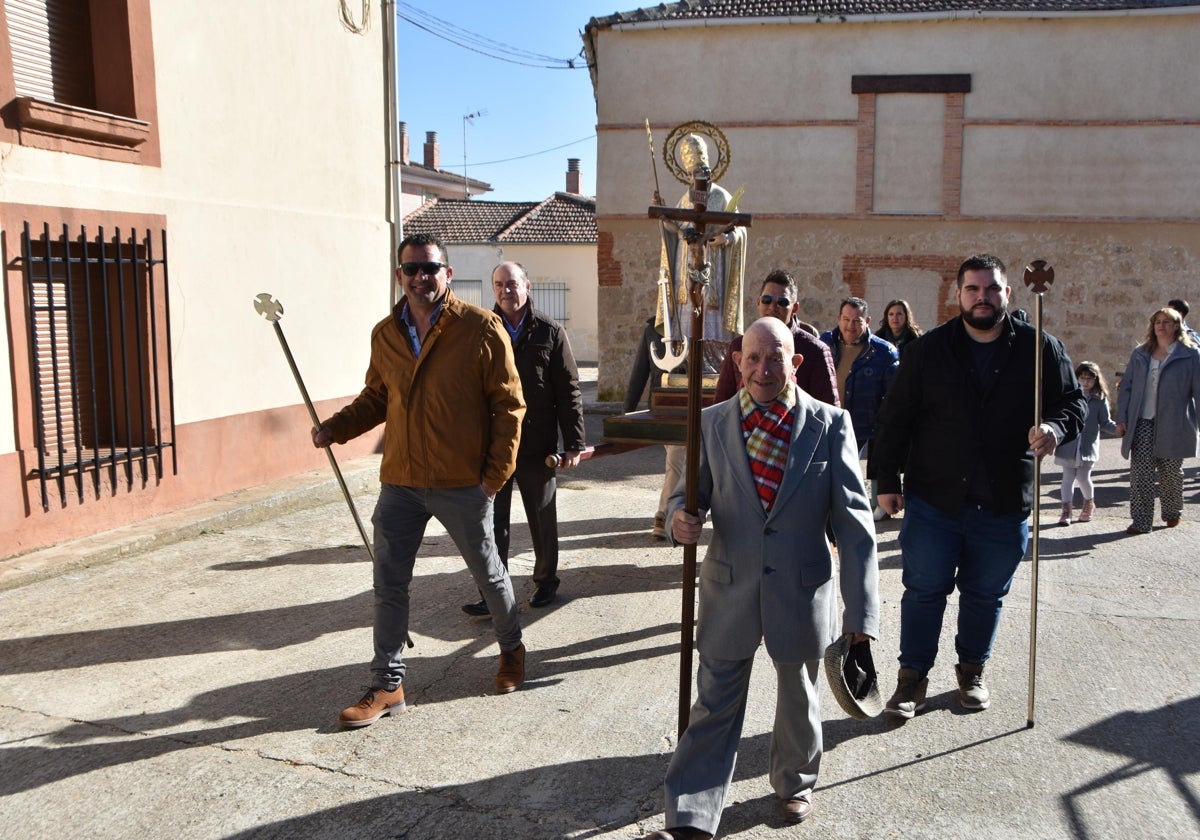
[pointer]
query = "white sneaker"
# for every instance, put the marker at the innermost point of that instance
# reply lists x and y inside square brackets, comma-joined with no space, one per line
[881,514]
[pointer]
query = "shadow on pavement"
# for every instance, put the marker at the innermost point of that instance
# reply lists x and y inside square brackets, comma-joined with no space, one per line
[273,700]
[435,614]
[1166,739]
[271,629]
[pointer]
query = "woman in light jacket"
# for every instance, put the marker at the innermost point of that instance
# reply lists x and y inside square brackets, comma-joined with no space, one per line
[1156,403]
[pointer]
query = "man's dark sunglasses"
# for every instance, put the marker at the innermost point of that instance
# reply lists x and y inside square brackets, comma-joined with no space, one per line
[767,300]
[410,269]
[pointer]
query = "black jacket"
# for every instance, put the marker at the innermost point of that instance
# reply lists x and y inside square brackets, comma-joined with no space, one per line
[550,382]
[939,422]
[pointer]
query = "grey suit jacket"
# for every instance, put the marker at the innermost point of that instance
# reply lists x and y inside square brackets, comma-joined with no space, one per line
[771,575]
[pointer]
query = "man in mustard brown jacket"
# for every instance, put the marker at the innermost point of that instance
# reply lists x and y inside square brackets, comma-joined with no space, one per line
[442,377]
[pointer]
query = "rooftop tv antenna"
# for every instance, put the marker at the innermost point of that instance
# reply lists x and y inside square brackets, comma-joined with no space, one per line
[469,118]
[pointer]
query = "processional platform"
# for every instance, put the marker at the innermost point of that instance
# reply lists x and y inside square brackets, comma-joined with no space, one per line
[665,422]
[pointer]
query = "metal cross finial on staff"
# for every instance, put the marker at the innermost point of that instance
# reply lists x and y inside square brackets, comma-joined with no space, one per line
[272,310]
[1038,276]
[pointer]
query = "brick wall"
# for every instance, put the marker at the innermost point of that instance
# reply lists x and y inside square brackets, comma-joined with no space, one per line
[1109,277]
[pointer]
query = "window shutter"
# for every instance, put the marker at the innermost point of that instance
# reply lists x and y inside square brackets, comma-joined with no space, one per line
[52,50]
[55,326]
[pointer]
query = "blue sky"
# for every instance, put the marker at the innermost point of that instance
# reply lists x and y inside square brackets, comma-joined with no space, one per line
[529,111]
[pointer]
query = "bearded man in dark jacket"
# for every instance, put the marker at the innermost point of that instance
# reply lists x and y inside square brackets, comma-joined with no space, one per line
[955,422]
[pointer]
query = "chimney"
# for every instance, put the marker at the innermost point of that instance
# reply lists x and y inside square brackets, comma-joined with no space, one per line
[574,177]
[404,143]
[433,155]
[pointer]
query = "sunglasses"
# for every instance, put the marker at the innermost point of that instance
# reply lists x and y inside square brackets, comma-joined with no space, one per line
[410,269]
[772,300]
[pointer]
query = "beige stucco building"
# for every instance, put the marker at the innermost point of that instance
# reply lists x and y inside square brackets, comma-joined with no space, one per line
[243,151]
[878,150]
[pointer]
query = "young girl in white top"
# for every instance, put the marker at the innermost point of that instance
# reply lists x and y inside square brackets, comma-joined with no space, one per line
[1078,457]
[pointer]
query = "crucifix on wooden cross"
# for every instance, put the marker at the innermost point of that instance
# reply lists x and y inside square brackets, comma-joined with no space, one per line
[698,226]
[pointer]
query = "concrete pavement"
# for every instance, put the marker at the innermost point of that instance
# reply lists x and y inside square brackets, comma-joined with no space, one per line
[183,678]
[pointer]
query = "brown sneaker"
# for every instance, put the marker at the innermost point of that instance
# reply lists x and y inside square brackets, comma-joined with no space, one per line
[512,670]
[376,703]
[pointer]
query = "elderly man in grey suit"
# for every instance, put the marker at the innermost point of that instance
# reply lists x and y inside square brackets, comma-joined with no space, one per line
[775,466]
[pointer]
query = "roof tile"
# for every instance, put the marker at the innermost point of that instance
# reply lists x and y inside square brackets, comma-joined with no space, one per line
[562,219]
[701,9]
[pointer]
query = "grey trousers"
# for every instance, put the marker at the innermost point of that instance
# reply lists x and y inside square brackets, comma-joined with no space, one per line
[400,517]
[701,770]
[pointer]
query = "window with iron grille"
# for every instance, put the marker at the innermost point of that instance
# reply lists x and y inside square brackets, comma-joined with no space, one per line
[99,327]
[550,298]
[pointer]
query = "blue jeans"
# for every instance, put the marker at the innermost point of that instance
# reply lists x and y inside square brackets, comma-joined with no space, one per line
[400,517]
[977,551]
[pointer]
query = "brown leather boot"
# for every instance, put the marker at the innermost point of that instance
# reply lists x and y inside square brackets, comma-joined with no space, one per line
[1065,519]
[1089,507]
[512,670]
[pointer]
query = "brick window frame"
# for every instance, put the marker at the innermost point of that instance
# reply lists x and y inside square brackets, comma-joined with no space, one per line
[856,269]
[124,124]
[953,87]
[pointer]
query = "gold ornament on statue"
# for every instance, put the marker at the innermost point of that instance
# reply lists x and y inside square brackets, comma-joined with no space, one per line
[680,146]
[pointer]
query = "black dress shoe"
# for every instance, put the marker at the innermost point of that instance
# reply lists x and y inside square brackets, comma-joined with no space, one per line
[544,595]
[479,608]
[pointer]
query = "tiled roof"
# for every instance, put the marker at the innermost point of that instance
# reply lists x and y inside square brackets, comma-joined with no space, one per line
[701,9]
[562,219]
[463,220]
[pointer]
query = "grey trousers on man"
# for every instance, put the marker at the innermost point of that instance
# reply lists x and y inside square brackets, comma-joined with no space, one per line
[701,770]
[400,517]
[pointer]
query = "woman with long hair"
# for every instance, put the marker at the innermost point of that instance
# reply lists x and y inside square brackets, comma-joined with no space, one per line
[1156,404]
[899,325]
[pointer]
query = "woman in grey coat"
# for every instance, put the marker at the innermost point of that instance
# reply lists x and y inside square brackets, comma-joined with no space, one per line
[1157,402]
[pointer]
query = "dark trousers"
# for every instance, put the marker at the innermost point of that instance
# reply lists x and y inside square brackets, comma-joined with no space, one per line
[537,485]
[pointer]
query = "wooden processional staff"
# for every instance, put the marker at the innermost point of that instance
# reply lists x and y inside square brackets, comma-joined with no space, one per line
[697,226]
[1038,275]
